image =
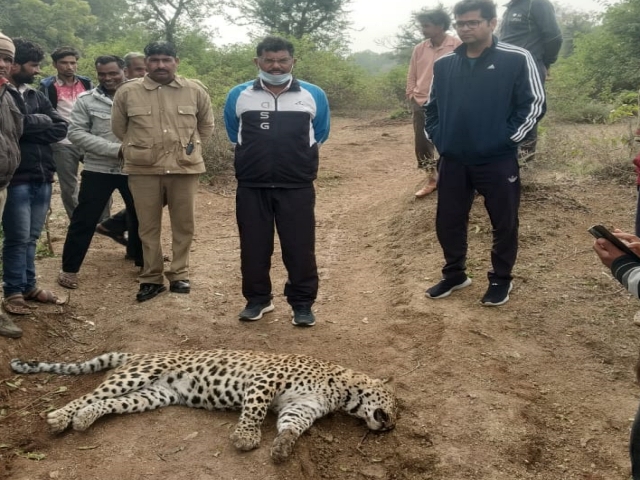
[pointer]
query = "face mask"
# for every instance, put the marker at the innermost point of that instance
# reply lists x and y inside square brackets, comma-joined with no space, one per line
[272,79]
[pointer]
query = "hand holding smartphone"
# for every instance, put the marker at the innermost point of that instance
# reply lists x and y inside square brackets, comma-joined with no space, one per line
[599,231]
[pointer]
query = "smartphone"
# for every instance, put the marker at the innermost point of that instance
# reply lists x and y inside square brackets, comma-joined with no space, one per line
[600,231]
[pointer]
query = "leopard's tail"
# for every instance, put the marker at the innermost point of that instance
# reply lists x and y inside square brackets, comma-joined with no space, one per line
[102,362]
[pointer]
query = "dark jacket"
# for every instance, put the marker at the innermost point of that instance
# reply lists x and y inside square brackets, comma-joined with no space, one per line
[532,24]
[48,87]
[276,138]
[43,126]
[11,126]
[479,114]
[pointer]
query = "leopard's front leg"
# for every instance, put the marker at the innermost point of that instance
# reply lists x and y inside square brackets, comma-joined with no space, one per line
[293,421]
[255,403]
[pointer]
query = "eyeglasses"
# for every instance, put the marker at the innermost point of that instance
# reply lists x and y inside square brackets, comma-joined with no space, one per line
[272,61]
[469,23]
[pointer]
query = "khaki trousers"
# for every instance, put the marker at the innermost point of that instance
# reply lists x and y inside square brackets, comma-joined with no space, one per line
[149,194]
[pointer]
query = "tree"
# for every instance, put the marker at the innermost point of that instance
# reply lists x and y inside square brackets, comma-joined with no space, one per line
[574,23]
[323,21]
[114,19]
[52,23]
[166,18]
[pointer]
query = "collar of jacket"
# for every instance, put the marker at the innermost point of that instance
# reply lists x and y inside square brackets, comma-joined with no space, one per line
[149,84]
[294,87]
[99,94]
[462,48]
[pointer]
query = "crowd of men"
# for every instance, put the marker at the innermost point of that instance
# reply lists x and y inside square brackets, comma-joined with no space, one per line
[141,131]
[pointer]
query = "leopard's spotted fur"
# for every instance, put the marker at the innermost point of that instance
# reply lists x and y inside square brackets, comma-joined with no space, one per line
[300,389]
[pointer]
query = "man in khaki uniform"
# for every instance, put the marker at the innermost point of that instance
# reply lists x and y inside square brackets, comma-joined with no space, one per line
[163,120]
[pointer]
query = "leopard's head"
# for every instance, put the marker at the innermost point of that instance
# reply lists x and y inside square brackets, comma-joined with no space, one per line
[378,405]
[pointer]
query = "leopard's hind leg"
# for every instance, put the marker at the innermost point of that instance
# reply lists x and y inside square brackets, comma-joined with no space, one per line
[293,421]
[149,398]
[60,419]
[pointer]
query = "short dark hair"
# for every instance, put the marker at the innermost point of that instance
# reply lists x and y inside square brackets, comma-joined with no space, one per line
[130,56]
[27,51]
[487,8]
[104,59]
[437,16]
[62,52]
[272,43]
[161,48]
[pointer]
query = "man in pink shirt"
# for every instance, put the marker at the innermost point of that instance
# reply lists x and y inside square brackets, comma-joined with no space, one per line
[62,90]
[434,25]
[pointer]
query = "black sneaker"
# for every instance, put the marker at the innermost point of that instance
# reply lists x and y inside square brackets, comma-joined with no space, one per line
[254,311]
[497,294]
[445,287]
[303,317]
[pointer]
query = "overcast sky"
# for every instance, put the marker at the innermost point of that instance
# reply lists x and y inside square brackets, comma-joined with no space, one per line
[374,22]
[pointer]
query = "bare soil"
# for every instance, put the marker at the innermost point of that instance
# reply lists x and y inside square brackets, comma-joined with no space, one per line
[541,388]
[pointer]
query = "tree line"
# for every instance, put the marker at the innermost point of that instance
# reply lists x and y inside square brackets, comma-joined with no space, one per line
[596,78]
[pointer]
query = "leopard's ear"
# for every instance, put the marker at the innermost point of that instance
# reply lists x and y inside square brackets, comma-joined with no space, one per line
[386,380]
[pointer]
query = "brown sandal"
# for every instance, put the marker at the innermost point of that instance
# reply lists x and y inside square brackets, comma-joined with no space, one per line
[42,296]
[68,280]
[16,305]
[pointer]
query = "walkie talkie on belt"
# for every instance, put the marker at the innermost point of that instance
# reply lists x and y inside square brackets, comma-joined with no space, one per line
[190,146]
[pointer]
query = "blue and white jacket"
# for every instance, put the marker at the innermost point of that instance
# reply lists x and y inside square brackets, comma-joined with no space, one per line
[481,109]
[276,137]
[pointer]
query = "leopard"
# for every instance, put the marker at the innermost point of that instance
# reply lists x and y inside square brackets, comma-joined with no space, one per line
[299,389]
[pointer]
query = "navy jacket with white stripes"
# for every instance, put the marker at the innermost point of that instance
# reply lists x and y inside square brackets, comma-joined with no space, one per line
[276,137]
[480,109]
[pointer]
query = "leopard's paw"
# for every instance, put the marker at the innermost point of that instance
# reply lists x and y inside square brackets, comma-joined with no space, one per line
[245,440]
[283,446]
[58,420]
[84,418]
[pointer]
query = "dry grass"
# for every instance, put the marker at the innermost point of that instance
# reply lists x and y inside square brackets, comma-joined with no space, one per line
[602,152]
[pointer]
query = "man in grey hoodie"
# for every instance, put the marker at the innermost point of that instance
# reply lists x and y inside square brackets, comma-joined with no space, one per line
[102,174]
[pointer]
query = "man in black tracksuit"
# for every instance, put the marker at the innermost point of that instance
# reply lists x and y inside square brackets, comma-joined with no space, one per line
[277,124]
[486,96]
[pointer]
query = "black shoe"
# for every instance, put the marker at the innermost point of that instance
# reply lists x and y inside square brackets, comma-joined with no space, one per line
[149,290]
[180,286]
[254,311]
[303,316]
[118,237]
[497,294]
[445,287]
[138,262]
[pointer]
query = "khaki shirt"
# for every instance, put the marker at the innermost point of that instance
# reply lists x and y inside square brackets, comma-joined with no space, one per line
[156,123]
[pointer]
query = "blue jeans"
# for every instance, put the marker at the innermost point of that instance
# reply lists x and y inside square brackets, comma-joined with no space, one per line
[22,221]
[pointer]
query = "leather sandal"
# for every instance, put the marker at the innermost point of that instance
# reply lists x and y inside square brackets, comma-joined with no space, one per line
[68,280]
[16,305]
[42,296]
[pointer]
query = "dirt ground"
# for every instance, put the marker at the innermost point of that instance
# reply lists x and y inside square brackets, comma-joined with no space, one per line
[541,388]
